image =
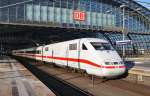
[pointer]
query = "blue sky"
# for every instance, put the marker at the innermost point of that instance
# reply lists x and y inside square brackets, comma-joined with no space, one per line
[146,5]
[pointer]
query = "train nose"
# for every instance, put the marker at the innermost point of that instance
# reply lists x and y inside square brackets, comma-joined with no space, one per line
[114,71]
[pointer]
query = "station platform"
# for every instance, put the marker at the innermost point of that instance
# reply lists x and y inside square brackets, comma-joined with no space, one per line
[16,80]
[139,60]
[139,69]
[97,86]
[138,63]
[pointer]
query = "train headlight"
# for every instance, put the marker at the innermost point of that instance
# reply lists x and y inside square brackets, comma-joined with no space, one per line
[121,62]
[107,63]
[116,63]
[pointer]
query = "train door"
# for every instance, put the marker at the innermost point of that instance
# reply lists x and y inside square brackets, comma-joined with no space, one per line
[48,54]
[88,57]
[84,55]
[45,53]
[73,55]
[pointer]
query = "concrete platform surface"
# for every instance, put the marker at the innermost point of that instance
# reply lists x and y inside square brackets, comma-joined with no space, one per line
[99,87]
[16,80]
[138,64]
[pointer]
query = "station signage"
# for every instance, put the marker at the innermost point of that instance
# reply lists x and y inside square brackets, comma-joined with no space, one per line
[79,15]
[123,42]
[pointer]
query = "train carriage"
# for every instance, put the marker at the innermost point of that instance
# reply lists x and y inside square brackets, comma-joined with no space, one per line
[95,56]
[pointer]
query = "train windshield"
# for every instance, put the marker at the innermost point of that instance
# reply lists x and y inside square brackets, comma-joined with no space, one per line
[102,46]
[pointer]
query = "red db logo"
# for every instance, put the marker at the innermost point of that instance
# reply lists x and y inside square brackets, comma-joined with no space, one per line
[79,15]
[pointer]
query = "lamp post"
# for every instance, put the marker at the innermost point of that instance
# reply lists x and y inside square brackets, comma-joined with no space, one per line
[123,30]
[123,27]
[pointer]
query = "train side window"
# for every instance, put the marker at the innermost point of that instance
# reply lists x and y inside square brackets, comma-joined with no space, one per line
[72,46]
[46,48]
[38,52]
[84,47]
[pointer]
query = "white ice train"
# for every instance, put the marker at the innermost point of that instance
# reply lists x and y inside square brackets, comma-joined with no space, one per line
[95,56]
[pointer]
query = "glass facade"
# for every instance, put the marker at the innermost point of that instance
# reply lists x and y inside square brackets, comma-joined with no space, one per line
[63,15]
[141,43]
[100,15]
[113,37]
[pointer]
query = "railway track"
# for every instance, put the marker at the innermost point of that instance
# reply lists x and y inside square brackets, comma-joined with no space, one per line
[117,87]
[57,85]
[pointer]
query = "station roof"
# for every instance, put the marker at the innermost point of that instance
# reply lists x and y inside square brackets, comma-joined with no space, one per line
[14,35]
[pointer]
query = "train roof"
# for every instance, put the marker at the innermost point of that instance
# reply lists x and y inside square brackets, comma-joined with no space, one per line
[84,39]
[87,39]
[95,39]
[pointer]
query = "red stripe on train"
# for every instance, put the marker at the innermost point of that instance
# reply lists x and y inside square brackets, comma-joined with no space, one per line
[84,61]
[78,60]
